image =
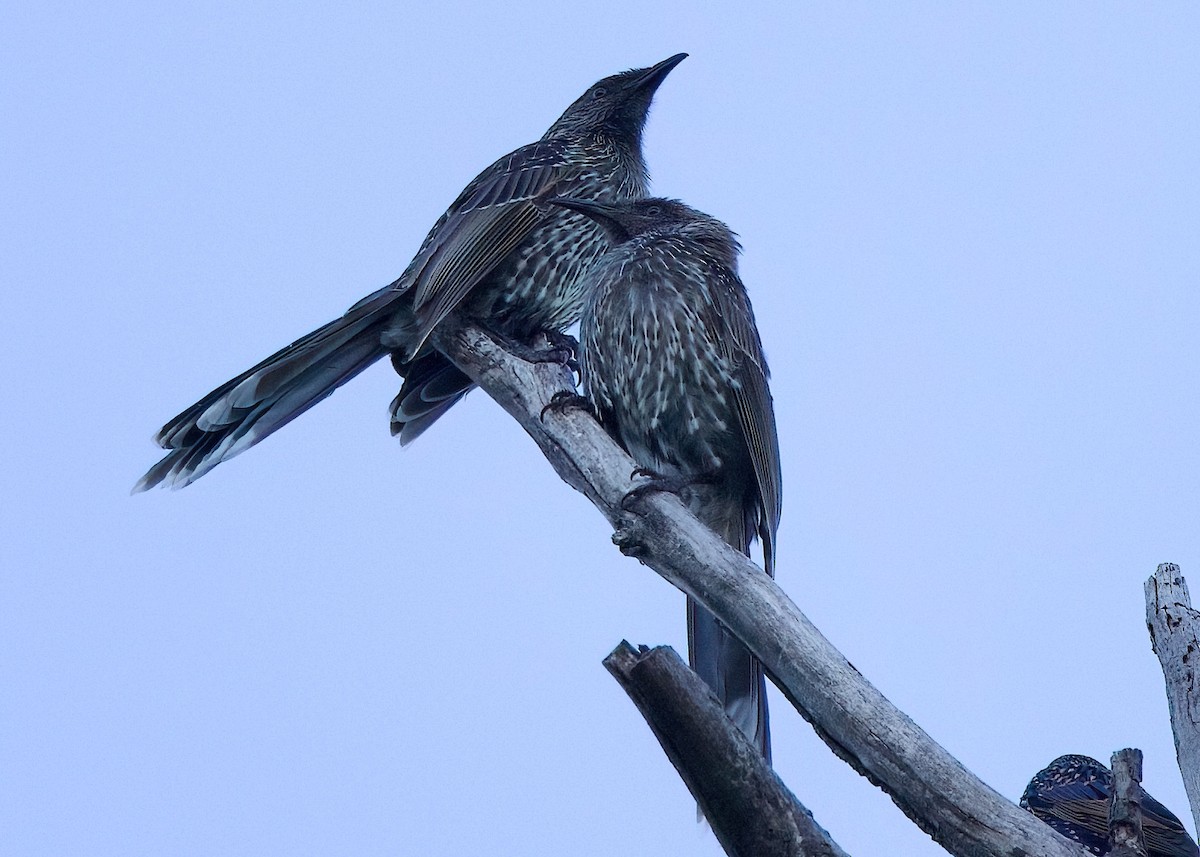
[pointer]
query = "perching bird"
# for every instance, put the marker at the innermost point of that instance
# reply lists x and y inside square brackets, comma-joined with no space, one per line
[1072,795]
[672,365]
[507,260]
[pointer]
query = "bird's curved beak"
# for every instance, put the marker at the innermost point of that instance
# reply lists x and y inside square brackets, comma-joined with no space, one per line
[650,78]
[602,213]
[592,209]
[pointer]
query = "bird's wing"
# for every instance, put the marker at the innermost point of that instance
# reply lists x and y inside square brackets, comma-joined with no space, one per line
[1164,831]
[488,221]
[1082,803]
[756,411]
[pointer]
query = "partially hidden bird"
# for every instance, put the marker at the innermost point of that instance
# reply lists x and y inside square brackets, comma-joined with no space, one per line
[1072,795]
[498,254]
[672,365]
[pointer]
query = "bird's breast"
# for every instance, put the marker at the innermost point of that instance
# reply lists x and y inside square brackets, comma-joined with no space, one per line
[656,365]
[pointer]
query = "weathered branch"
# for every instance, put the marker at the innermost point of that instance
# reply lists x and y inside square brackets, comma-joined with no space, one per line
[1175,637]
[929,785]
[751,811]
[1125,837]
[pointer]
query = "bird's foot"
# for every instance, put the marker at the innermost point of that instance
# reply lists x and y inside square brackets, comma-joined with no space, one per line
[561,349]
[657,483]
[565,341]
[565,400]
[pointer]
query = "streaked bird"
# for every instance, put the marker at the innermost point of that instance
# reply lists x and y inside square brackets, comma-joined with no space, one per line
[671,363]
[498,254]
[1072,795]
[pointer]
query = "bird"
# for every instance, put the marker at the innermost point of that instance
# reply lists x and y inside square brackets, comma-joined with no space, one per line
[1072,794]
[672,365]
[498,255]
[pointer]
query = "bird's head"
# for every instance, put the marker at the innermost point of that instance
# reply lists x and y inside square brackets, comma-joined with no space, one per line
[617,105]
[628,219]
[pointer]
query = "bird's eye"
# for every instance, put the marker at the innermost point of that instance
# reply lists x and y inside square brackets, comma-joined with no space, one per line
[599,92]
[654,211]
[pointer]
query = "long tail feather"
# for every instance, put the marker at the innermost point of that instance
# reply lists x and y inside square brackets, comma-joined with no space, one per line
[246,409]
[720,658]
[735,675]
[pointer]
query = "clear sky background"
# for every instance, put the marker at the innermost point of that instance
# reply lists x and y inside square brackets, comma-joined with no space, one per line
[971,239]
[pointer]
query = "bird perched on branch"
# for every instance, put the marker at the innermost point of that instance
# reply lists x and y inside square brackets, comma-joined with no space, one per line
[508,261]
[1072,795]
[672,365]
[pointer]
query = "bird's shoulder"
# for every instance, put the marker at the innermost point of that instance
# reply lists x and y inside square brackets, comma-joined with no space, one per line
[500,200]
[506,177]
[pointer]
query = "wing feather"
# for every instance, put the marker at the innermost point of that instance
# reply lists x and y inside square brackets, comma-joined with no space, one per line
[489,220]
[755,408]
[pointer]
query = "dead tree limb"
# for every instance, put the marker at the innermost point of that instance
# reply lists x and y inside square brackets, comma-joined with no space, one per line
[929,785]
[751,811]
[1125,837]
[1175,637]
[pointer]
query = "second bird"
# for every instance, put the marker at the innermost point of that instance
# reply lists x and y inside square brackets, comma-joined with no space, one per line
[672,364]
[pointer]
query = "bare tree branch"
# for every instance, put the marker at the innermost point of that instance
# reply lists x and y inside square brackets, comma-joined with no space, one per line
[1125,837]
[1175,637]
[751,811]
[929,785]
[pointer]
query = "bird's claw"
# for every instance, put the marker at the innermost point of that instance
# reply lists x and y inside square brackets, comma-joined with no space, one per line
[564,350]
[656,483]
[565,400]
[561,349]
[654,486]
[558,339]
[556,354]
[633,496]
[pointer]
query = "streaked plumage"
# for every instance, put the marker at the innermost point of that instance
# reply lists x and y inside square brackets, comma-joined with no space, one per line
[1072,795]
[671,362]
[497,253]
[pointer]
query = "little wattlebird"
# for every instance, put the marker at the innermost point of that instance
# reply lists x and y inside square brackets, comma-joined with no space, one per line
[672,365]
[498,254]
[1072,795]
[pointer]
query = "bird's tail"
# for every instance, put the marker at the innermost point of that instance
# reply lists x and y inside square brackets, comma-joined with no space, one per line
[432,384]
[725,664]
[245,409]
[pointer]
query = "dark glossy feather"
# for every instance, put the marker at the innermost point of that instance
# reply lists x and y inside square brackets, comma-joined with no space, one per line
[1072,795]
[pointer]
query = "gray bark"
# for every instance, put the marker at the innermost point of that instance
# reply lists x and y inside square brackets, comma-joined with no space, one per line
[751,811]
[1175,637]
[862,727]
[1125,837]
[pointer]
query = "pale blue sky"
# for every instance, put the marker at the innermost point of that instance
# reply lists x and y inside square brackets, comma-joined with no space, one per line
[971,240]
